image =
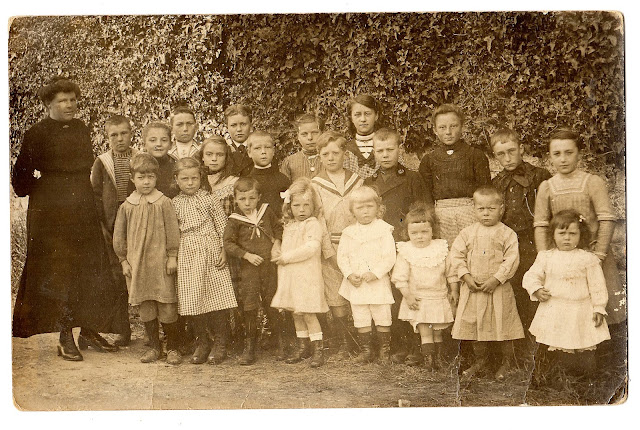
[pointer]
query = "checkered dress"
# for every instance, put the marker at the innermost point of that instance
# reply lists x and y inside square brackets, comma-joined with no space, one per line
[201,287]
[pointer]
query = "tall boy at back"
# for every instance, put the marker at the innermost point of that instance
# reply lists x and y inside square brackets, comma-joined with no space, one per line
[112,184]
[518,182]
[239,119]
[183,127]
[399,188]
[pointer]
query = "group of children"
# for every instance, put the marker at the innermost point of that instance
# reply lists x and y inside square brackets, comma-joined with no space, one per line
[343,226]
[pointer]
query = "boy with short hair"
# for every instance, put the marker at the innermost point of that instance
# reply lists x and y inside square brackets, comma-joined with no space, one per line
[239,119]
[251,233]
[183,127]
[452,172]
[111,182]
[518,182]
[485,256]
[261,149]
[156,140]
[304,163]
[399,188]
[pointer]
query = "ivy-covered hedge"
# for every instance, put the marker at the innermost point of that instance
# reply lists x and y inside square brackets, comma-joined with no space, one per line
[530,71]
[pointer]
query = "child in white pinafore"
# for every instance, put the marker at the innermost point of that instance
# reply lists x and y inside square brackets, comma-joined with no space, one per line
[569,284]
[205,292]
[300,284]
[366,255]
[421,274]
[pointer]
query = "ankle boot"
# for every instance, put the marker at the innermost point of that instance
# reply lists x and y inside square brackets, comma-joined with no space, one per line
[154,352]
[173,341]
[428,352]
[91,338]
[507,360]
[221,330]
[67,348]
[249,354]
[317,359]
[203,346]
[302,351]
[481,353]
[384,341]
[414,358]
[342,332]
[366,351]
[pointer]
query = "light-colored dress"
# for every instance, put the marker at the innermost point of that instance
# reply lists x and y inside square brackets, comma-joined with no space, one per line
[300,284]
[485,252]
[423,271]
[146,234]
[587,195]
[577,287]
[336,216]
[367,248]
[202,287]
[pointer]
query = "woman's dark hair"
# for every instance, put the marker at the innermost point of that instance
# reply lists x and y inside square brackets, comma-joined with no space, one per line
[564,219]
[364,100]
[55,86]
[419,212]
[228,161]
[566,133]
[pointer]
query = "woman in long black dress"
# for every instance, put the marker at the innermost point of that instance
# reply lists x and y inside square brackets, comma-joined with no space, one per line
[65,281]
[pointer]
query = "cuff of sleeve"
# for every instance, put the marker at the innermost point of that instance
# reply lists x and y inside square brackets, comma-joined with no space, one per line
[463,271]
[122,259]
[600,255]
[534,298]
[452,279]
[172,253]
[600,310]
[541,224]
[607,218]
[401,286]
[500,278]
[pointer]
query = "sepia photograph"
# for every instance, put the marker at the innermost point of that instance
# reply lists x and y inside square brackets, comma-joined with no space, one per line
[317,210]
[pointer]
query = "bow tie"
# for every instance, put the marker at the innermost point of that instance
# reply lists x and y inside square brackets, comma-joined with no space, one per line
[519,175]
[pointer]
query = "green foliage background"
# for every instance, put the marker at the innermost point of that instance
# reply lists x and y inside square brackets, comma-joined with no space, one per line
[530,71]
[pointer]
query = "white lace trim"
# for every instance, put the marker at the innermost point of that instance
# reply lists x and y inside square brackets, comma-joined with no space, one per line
[430,256]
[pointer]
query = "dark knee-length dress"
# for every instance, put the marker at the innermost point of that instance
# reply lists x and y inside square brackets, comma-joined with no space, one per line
[66,270]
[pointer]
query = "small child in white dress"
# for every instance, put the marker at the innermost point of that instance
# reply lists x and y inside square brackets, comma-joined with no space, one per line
[421,273]
[570,286]
[300,284]
[366,255]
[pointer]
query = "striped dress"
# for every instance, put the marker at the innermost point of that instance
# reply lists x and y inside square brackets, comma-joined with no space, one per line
[202,287]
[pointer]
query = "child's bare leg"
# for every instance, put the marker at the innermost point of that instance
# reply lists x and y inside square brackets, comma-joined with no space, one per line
[315,335]
[302,338]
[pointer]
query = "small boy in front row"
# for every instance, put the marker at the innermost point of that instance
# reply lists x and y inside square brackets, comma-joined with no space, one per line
[251,234]
[146,238]
[485,256]
[518,182]
[399,188]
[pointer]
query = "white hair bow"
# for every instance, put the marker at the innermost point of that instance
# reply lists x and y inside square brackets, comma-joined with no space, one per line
[286,196]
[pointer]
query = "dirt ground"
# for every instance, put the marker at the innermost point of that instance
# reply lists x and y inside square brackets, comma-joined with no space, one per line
[118,381]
